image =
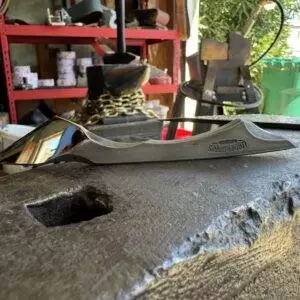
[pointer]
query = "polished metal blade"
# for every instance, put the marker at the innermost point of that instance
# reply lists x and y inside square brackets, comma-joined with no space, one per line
[239,137]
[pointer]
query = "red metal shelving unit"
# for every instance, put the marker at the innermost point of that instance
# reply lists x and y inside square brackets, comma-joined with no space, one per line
[42,34]
[66,93]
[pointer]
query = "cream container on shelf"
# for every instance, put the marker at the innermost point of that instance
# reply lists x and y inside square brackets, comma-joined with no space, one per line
[46,83]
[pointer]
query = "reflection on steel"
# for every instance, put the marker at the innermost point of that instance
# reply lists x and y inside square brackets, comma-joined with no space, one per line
[62,140]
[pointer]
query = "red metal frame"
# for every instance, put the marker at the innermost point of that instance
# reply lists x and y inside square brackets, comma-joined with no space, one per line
[7,71]
[74,32]
[176,61]
[78,93]
[36,34]
[97,47]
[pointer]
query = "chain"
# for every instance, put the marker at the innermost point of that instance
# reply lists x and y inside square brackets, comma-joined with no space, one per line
[108,106]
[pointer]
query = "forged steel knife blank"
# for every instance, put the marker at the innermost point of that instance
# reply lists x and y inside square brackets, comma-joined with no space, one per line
[237,138]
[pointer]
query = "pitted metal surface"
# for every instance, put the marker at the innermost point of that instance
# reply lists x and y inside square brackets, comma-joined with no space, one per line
[155,208]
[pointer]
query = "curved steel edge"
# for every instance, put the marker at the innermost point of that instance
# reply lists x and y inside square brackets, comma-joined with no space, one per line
[237,138]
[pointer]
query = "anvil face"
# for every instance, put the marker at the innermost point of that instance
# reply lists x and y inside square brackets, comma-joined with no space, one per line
[74,231]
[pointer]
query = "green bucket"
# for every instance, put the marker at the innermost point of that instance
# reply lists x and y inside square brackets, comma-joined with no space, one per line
[279,75]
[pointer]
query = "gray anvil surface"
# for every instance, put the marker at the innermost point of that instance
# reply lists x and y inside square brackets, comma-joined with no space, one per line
[155,207]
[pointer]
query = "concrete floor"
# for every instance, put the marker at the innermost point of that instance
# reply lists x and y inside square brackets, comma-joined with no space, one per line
[155,208]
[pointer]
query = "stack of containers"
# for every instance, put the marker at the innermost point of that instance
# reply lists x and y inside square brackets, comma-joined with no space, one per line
[23,78]
[21,73]
[66,68]
[82,65]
